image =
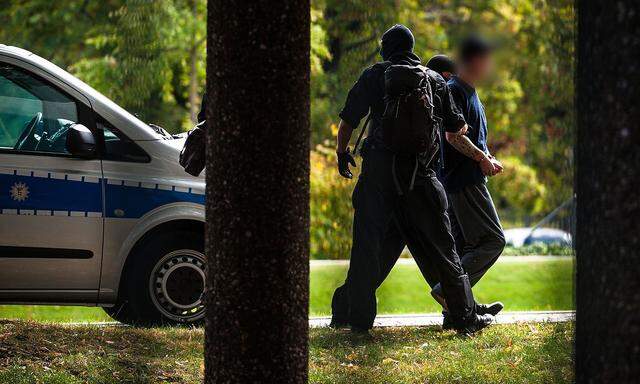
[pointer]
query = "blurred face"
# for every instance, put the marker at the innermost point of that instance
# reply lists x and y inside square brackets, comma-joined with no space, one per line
[481,66]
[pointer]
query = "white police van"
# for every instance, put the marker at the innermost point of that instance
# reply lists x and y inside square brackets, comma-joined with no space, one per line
[94,207]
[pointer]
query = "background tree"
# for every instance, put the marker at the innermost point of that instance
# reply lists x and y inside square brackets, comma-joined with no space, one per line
[146,55]
[257,236]
[608,288]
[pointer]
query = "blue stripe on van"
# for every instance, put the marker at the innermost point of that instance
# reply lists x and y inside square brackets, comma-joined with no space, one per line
[46,193]
[122,201]
[136,201]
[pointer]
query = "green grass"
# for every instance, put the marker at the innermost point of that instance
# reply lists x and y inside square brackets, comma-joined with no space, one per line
[521,286]
[55,313]
[54,353]
[542,285]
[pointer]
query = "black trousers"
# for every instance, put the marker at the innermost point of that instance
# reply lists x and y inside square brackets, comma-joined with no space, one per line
[476,229]
[423,211]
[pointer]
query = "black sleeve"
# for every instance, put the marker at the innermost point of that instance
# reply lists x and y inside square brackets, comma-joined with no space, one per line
[358,101]
[452,102]
[202,116]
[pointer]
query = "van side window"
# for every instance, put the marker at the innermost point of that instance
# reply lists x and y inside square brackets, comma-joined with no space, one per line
[118,147]
[34,116]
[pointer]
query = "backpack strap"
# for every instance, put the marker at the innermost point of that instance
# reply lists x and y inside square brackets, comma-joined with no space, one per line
[364,128]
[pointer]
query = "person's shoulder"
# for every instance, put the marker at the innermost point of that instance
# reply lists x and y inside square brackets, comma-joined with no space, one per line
[456,87]
[435,76]
[453,82]
[436,79]
[374,72]
[377,68]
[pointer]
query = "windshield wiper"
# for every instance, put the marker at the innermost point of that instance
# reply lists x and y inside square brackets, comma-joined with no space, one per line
[161,131]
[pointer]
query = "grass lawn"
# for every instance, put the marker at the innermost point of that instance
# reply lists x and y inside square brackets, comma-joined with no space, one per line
[55,353]
[521,286]
[539,285]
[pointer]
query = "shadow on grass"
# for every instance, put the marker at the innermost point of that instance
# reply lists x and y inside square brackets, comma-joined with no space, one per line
[98,354]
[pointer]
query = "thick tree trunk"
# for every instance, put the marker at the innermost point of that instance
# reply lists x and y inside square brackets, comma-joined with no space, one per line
[257,235]
[607,184]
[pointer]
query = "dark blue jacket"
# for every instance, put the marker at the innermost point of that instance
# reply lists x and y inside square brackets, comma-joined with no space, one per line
[459,171]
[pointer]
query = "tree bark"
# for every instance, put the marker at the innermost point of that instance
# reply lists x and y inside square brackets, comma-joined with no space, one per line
[257,233]
[608,207]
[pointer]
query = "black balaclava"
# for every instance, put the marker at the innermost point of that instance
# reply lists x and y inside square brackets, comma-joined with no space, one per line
[395,40]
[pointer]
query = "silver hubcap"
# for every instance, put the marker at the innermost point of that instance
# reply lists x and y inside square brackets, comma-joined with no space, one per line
[177,283]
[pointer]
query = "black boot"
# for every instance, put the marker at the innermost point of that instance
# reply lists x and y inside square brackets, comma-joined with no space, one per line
[473,324]
[338,324]
[447,322]
[359,331]
[489,309]
[481,309]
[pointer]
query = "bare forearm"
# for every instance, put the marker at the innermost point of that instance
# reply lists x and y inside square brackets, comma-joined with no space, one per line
[465,146]
[344,135]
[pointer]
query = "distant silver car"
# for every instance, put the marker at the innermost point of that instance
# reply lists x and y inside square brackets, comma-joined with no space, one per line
[519,237]
[94,207]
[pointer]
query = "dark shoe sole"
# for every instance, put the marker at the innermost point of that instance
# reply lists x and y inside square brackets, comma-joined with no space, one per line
[475,327]
[492,309]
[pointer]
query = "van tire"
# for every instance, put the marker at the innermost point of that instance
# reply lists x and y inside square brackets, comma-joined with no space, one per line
[176,260]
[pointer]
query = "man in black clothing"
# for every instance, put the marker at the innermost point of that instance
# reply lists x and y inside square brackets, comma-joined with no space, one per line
[376,198]
[397,235]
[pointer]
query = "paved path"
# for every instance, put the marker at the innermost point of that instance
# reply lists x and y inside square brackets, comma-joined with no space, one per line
[410,261]
[430,319]
[415,320]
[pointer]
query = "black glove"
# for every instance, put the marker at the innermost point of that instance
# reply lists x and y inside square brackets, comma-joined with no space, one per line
[344,159]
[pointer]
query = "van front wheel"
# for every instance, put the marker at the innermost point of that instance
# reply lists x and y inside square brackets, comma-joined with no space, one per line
[164,283]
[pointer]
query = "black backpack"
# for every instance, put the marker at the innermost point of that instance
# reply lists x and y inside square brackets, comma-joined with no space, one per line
[409,124]
[192,156]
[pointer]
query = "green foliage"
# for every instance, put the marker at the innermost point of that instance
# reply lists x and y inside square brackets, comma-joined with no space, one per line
[518,191]
[331,210]
[147,55]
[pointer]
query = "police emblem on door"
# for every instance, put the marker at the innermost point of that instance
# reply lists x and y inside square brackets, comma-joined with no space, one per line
[19,192]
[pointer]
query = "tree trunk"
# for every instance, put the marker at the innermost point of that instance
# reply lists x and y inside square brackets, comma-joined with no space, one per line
[607,185]
[193,82]
[257,236]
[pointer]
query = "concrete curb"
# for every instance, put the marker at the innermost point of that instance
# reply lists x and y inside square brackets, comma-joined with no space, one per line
[410,320]
[433,319]
[410,261]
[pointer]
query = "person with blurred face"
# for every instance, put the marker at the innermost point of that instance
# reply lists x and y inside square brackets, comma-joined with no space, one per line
[467,163]
[380,196]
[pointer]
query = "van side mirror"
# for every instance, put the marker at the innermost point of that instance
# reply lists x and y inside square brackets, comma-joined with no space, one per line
[81,142]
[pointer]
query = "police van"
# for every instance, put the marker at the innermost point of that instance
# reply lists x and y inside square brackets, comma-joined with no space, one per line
[94,207]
